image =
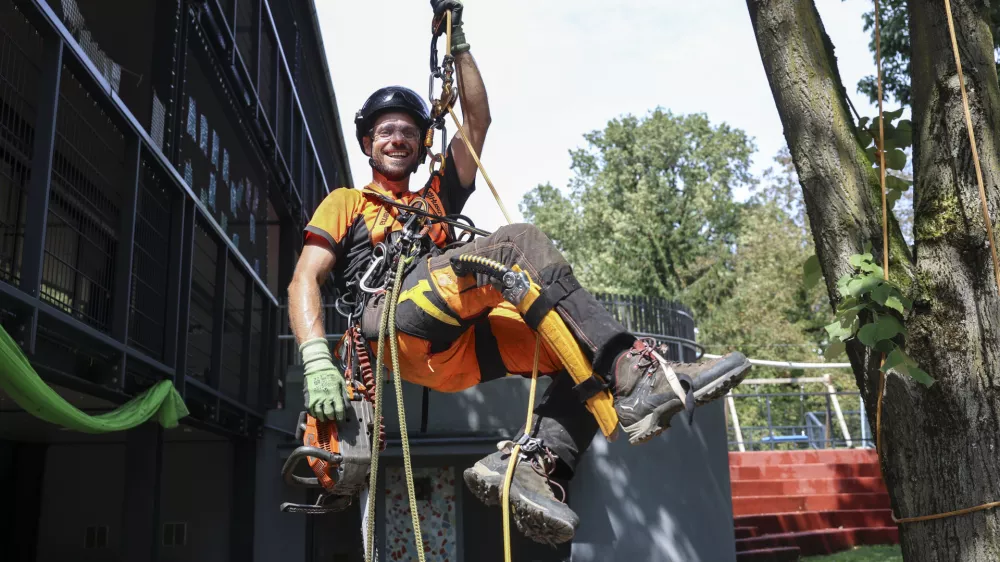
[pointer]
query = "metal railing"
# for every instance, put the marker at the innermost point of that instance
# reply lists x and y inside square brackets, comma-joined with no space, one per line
[788,420]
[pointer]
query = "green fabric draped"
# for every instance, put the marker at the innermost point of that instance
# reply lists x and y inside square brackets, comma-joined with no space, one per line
[20,381]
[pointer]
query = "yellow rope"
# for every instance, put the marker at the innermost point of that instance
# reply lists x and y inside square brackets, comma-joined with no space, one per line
[885,219]
[385,324]
[516,452]
[885,238]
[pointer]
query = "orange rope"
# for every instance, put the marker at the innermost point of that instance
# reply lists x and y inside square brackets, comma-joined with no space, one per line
[885,219]
[885,239]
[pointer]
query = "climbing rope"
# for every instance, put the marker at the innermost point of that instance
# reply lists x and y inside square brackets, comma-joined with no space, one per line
[885,237]
[516,452]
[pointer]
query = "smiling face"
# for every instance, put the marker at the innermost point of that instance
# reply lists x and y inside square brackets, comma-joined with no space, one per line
[394,145]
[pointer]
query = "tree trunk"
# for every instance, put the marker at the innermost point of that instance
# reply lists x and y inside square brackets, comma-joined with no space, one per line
[939,445]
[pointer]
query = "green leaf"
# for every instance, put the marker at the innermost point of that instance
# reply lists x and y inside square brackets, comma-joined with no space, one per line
[865,139]
[871,267]
[921,376]
[834,350]
[836,330]
[863,122]
[870,151]
[907,303]
[895,159]
[842,284]
[891,196]
[811,272]
[891,116]
[892,182]
[895,303]
[867,335]
[858,259]
[893,360]
[862,285]
[887,327]
[904,134]
[882,292]
[868,247]
[851,314]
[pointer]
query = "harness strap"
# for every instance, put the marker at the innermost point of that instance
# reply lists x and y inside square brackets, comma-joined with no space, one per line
[547,300]
[590,387]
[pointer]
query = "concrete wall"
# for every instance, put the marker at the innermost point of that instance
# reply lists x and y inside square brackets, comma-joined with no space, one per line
[665,500]
[84,486]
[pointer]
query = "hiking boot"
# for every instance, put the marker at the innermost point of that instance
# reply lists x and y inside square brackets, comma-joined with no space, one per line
[534,507]
[646,400]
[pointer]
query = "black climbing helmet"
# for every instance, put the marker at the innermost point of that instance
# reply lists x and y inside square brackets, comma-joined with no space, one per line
[392,98]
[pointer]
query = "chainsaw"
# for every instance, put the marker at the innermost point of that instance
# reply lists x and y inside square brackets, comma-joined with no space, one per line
[339,454]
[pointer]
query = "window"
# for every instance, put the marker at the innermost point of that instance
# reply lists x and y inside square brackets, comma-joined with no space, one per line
[422,488]
[97,537]
[174,534]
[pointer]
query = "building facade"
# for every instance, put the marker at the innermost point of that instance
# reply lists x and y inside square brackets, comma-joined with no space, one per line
[159,161]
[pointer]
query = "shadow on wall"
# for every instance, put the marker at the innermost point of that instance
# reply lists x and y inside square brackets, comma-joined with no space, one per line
[498,406]
[665,500]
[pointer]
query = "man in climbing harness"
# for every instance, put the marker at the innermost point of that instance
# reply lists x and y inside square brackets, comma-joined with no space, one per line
[465,315]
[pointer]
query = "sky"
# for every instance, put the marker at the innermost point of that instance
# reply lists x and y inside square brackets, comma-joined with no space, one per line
[564,68]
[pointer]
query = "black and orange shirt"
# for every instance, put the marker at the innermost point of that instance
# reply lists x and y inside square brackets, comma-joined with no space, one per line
[352,223]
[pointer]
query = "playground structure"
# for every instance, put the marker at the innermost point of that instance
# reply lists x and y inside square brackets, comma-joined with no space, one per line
[830,426]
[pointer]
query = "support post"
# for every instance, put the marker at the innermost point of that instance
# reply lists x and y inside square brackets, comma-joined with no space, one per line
[36,216]
[219,314]
[177,334]
[247,338]
[736,421]
[836,408]
[241,529]
[126,244]
[143,464]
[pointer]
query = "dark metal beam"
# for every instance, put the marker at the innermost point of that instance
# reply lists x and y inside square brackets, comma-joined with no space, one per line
[141,506]
[246,346]
[195,383]
[219,315]
[181,318]
[36,217]
[244,482]
[268,347]
[122,292]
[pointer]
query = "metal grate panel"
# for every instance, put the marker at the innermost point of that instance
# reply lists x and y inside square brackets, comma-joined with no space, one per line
[202,299]
[20,55]
[83,220]
[232,337]
[244,32]
[147,317]
[265,88]
[256,347]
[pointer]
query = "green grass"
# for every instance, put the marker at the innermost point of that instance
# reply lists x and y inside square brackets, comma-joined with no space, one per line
[862,554]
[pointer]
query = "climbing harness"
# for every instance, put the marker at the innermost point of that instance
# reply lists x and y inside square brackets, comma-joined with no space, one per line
[885,236]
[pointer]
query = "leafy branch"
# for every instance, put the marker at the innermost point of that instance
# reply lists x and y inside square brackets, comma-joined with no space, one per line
[897,137]
[870,312]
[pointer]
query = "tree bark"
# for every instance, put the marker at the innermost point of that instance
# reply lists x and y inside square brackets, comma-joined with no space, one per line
[940,445]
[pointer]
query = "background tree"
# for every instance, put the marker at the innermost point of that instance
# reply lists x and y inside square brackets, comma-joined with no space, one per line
[939,443]
[650,211]
[650,208]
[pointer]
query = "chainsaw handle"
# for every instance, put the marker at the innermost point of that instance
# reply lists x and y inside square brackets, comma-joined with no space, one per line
[300,454]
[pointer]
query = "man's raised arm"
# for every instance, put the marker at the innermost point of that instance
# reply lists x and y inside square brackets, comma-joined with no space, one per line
[324,384]
[472,94]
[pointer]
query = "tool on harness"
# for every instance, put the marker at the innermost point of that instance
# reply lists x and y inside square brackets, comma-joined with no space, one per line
[518,288]
[338,453]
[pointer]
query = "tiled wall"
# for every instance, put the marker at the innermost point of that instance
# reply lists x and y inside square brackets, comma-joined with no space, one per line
[435,491]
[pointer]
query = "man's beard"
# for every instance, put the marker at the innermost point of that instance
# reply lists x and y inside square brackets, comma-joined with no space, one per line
[390,173]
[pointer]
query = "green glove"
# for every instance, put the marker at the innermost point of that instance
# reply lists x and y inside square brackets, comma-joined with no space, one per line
[324,385]
[458,44]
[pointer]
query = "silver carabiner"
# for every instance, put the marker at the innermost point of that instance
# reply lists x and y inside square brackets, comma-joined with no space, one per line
[363,284]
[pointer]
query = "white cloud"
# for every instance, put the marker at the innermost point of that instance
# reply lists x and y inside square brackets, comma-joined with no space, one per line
[557,69]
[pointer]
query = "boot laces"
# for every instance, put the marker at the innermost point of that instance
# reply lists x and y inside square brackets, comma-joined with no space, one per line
[540,458]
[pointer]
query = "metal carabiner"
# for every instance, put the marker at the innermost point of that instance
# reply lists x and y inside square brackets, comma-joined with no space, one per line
[363,284]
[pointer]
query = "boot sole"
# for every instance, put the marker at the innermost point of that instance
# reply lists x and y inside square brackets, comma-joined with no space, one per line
[529,517]
[658,420]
